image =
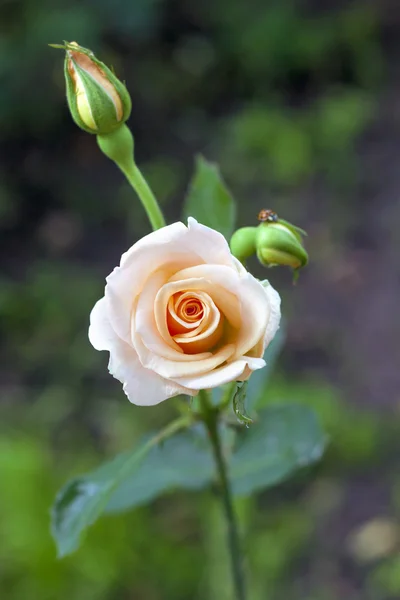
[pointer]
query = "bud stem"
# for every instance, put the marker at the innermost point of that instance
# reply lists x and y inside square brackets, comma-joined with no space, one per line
[118,146]
[147,198]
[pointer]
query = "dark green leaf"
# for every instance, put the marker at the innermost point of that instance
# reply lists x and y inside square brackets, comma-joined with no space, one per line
[208,200]
[184,461]
[284,439]
[79,503]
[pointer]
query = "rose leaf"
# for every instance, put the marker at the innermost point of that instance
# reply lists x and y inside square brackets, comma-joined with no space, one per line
[284,439]
[209,200]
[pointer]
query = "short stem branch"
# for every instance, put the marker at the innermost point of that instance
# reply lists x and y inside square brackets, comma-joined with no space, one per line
[211,421]
[119,147]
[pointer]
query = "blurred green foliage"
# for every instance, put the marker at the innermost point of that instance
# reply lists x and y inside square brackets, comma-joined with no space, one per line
[154,552]
[278,95]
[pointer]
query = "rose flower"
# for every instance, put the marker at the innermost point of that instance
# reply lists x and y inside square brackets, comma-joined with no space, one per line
[181,314]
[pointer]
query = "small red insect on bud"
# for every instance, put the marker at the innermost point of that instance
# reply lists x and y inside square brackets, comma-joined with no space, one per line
[267,215]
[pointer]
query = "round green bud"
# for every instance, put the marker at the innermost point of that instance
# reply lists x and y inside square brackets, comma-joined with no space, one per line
[99,102]
[243,242]
[280,244]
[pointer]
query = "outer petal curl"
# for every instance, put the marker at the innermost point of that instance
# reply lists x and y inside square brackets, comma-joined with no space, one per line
[142,386]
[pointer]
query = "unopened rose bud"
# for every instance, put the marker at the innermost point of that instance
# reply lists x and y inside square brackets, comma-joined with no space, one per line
[243,242]
[98,101]
[280,243]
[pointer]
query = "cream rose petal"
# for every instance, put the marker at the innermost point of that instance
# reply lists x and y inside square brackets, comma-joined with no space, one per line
[172,369]
[149,315]
[221,375]
[274,320]
[172,244]
[143,387]
[205,329]
[144,325]
[226,301]
[101,334]
[125,284]
[253,300]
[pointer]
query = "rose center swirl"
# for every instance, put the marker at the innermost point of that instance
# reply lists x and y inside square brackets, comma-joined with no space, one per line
[194,321]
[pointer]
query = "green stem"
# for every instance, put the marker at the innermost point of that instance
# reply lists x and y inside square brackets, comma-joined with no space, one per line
[210,417]
[147,198]
[118,146]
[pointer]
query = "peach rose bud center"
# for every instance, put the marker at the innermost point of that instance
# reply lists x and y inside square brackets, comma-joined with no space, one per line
[194,321]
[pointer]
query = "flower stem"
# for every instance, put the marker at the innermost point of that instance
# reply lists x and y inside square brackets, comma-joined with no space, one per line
[119,146]
[210,417]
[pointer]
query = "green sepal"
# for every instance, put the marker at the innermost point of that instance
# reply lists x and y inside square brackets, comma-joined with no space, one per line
[296,230]
[238,404]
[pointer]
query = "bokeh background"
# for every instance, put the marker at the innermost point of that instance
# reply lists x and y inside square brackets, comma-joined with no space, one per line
[299,104]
